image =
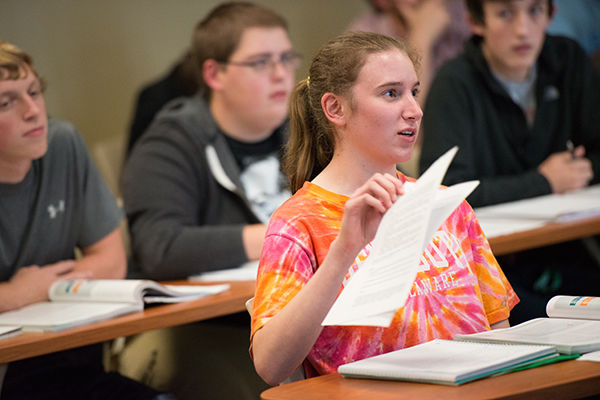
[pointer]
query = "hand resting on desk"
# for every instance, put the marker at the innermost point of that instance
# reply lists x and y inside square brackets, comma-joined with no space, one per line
[30,284]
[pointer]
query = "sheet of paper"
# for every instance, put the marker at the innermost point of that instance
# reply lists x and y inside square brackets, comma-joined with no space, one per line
[493,227]
[553,207]
[593,356]
[245,272]
[61,315]
[382,283]
[193,292]
[446,201]
[9,331]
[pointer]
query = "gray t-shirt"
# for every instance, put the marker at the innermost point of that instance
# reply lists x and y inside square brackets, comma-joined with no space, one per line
[61,204]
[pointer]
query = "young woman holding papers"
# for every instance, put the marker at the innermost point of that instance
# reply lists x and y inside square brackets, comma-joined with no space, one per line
[352,120]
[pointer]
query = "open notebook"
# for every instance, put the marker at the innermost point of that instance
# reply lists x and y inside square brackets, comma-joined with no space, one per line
[448,362]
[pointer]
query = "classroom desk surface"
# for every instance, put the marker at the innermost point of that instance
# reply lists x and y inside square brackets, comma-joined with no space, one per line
[567,380]
[30,344]
[550,233]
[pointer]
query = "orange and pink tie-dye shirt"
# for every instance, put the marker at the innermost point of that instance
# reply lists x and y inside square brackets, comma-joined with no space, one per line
[459,287]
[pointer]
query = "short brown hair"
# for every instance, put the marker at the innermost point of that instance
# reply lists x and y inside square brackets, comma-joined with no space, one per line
[475,9]
[217,36]
[15,63]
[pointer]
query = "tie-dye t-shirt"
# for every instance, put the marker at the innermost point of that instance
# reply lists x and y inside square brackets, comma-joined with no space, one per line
[459,287]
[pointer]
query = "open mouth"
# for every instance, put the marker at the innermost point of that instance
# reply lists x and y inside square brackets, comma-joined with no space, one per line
[407,133]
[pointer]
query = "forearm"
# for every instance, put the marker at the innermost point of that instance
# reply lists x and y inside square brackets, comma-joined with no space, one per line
[30,284]
[283,343]
[171,251]
[253,237]
[10,297]
[501,324]
[104,259]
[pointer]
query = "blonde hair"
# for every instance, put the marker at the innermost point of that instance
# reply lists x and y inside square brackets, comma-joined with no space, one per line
[334,69]
[15,63]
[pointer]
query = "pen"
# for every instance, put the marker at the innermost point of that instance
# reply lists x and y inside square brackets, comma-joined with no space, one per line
[571,148]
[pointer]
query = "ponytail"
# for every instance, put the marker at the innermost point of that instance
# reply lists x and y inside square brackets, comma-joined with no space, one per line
[309,149]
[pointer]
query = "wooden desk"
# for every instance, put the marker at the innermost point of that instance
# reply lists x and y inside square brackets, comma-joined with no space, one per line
[551,233]
[30,344]
[567,380]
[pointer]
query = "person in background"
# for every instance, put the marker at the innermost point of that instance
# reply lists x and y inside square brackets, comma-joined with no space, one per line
[437,29]
[514,102]
[352,120]
[202,182]
[180,81]
[52,201]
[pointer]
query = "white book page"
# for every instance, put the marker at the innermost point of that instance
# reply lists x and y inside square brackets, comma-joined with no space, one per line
[444,360]
[245,272]
[584,307]
[186,293]
[552,207]
[545,331]
[40,316]
[592,356]
[446,201]
[493,227]
[382,283]
[109,290]
[9,331]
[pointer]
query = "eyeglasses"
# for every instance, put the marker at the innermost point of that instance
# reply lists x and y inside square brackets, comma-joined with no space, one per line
[288,60]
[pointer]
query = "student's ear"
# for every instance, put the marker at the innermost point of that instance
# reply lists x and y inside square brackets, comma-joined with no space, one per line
[210,74]
[476,27]
[333,108]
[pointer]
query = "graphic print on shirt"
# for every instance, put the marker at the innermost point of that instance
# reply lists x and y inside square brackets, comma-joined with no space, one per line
[53,210]
[265,186]
[464,297]
[443,252]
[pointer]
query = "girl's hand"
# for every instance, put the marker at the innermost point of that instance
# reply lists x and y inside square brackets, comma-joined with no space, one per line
[364,210]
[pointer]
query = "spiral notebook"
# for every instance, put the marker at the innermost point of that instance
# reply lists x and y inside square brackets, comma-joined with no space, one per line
[449,362]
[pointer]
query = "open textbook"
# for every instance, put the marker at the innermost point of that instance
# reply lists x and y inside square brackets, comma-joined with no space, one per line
[382,283]
[9,331]
[78,302]
[448,362]
[573,327]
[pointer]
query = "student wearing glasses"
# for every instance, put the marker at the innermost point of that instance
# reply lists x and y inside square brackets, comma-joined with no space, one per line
[203,180]
[205,177]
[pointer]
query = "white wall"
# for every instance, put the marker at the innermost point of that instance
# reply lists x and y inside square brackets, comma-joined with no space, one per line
[95,55]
